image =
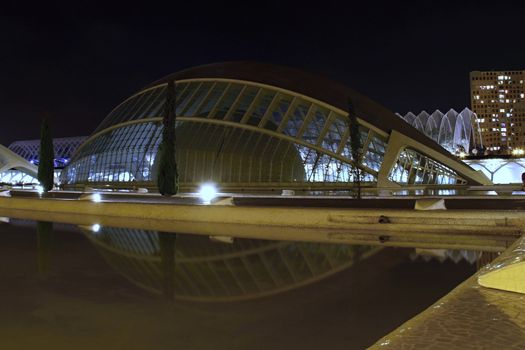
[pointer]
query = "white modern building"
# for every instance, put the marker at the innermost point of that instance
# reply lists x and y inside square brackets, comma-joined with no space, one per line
[456,132]
[19,161]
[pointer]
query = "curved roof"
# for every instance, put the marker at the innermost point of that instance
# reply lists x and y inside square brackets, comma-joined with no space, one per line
[311,85]
[11,160]
[251,104]
[63,147]
[452,130]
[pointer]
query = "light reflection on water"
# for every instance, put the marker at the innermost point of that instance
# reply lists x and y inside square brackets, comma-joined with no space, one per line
[83,295]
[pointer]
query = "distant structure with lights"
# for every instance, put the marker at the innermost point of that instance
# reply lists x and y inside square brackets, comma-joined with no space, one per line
[252,126]
[456,132]
[460,134]
[498,99]
[64,148]
[23,172]
[501,170]
[14,169]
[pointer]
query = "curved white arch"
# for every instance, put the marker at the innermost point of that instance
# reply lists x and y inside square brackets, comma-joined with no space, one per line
[10,160]
[452,130]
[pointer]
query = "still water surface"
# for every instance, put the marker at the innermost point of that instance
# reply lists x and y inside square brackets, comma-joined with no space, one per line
[129,289]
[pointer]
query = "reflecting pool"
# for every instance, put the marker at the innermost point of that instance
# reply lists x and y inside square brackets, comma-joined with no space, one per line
[75,287]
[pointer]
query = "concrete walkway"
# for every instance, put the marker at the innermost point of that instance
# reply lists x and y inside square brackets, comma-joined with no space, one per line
[271,218]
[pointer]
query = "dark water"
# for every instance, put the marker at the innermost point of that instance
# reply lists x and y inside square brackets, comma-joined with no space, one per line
[73,288]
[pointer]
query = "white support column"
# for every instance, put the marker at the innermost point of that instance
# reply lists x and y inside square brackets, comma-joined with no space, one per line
[393,148]
[398,141]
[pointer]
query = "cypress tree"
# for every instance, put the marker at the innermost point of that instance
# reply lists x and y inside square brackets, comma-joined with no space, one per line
[168,178]
[167,259]
[46,158]
[355,144]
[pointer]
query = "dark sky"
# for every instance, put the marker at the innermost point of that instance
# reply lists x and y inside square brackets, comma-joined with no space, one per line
[78,62]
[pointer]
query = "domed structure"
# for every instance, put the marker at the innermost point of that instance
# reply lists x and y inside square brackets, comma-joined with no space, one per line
[259,126]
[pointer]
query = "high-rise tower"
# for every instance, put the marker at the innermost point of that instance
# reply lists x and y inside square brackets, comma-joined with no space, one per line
[498,99]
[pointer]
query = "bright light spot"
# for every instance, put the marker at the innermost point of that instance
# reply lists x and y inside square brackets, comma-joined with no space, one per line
[95,228]
[207,192]
[518,152]
[39,189]
[96,197]
[462,154]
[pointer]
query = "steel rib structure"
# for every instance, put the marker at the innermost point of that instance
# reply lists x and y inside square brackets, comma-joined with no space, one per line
[256,126]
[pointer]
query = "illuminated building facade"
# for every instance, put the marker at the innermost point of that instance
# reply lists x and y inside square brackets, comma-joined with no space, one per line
[63,147]
[500,170]
[498,99]
[456,132]
[21,159]
[251,126]
[14,169]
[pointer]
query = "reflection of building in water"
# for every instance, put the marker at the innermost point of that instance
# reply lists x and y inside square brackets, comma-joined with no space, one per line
[471,256]
[212,271]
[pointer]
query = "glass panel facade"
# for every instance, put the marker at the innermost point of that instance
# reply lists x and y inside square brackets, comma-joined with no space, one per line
[456,132]
[413,168]
[313,146]
[63,148]
[16,177]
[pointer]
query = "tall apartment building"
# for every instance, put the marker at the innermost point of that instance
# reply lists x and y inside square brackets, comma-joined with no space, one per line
[498,99]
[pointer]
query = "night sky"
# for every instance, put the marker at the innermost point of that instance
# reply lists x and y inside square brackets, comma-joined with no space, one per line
[77,62]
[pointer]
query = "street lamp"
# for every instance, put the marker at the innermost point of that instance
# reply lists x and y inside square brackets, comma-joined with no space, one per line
[207,192]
